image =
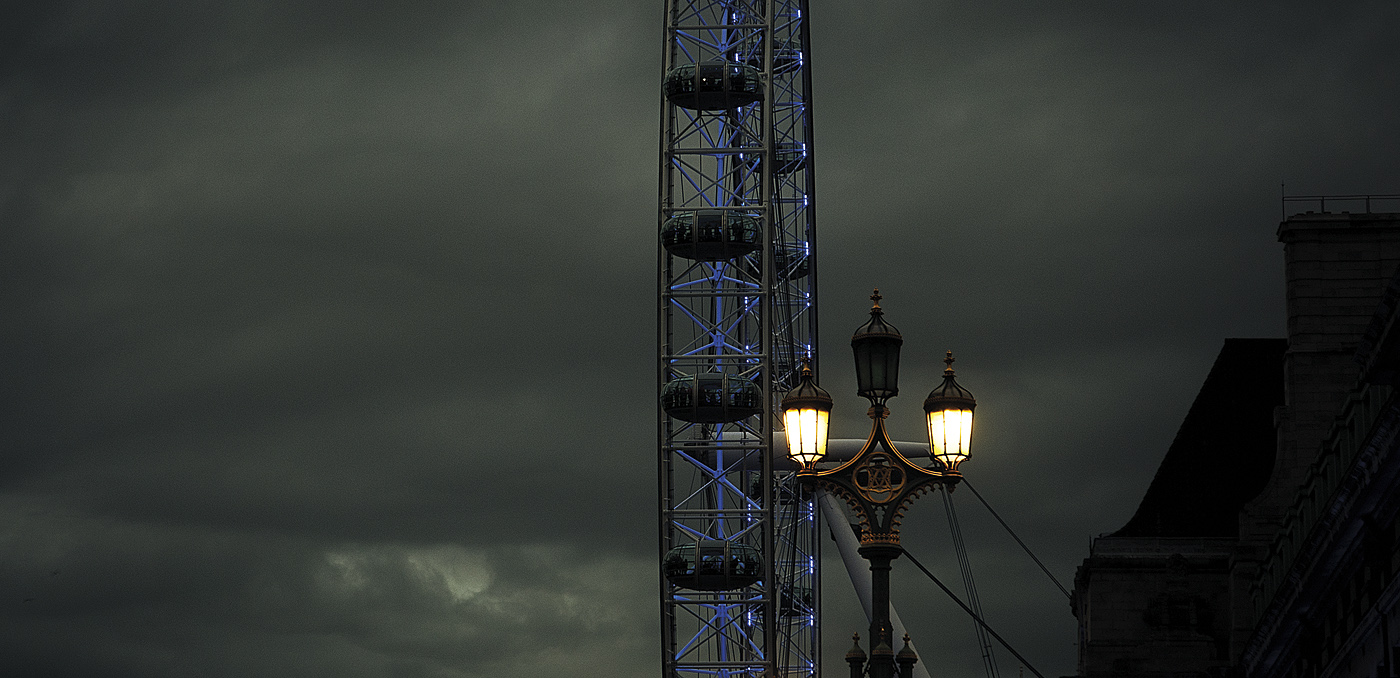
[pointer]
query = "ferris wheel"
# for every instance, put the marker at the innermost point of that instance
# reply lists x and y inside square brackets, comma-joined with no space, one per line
[737,311]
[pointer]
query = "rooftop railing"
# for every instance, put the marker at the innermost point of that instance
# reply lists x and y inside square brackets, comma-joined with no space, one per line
[1389,200]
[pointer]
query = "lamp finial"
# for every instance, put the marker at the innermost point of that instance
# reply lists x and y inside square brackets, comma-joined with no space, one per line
[949,362]
[875,298]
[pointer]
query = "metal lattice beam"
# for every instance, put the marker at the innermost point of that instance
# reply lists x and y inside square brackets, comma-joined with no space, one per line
[749,318]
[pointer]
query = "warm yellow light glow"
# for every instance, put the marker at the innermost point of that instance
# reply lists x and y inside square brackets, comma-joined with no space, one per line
[950,435]
[806,434]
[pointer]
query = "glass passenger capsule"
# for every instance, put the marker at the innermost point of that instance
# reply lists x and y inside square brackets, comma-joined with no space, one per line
[710,235]
[711,398]
[713,565]
[713,86]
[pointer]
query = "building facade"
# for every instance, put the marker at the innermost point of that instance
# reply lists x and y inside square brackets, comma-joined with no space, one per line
[1265,547]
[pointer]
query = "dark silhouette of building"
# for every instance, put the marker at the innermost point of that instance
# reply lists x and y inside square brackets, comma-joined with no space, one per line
[1265,546]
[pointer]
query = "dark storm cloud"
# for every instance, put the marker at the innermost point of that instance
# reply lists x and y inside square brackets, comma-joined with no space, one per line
[329,327]
[117,598]
[275,276]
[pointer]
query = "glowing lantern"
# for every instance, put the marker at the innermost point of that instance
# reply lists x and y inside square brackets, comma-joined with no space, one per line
[806,415]
[949,410]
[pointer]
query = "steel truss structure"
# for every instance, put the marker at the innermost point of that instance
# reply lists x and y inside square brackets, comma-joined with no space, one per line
[750,318]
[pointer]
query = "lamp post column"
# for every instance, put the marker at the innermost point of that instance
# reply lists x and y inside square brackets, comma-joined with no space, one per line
[881,630]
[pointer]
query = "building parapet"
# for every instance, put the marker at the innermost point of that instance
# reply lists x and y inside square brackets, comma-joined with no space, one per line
[1156,547]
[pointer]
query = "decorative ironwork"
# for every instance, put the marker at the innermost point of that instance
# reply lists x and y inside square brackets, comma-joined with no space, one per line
[879,483]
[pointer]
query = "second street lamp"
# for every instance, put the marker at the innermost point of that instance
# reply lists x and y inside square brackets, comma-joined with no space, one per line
[949,412]
[879,483]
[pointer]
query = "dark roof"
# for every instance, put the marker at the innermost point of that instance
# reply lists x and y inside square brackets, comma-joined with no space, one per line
[1224,451]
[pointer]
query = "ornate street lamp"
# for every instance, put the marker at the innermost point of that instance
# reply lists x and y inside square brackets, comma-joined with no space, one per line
[879,483]
[806,415]
[876,347]
[949,412]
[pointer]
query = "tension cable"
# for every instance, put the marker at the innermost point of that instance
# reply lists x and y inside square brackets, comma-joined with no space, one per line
[1018,539]
[974,615]
[984,644]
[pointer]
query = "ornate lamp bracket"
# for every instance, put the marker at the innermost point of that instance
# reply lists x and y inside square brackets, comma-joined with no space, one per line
[879,484]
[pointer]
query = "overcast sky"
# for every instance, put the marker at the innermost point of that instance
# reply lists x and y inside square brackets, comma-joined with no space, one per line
[327,328]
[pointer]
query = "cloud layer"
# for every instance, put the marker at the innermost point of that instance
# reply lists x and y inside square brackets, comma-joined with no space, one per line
[328,326]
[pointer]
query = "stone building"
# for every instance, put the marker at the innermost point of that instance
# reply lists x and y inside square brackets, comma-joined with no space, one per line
[1265,546]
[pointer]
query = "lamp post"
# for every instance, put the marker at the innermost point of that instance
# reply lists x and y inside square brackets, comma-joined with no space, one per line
[879,483]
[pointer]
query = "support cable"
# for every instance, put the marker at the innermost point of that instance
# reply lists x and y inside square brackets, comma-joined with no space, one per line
[974,616]
[984,643]
[1018,539]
